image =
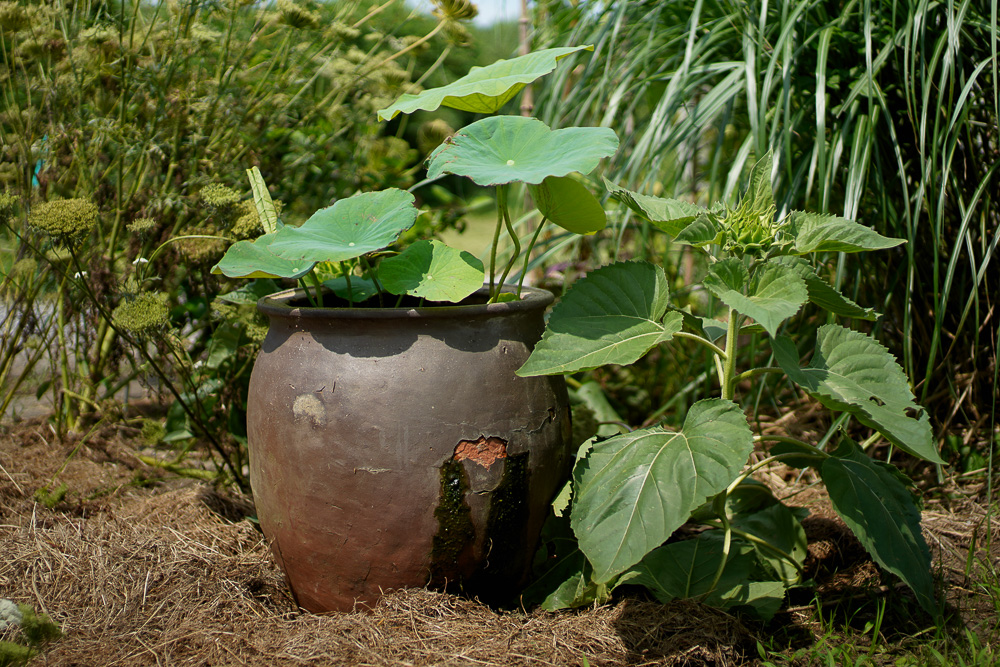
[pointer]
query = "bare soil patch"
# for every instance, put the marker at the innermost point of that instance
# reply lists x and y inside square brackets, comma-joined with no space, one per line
[140,568]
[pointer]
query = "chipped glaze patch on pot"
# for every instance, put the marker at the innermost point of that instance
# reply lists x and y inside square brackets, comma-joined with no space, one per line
[484,451]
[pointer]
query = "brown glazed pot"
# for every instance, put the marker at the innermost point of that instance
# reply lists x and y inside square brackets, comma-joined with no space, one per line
[395,447]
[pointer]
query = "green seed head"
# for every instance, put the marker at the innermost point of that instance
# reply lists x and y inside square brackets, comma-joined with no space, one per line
[143,315]
[67,220]
[298,16]
[219,196]
[141,225]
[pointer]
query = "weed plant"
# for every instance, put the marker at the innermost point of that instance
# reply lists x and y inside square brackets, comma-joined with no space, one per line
[123,126]
[883,110]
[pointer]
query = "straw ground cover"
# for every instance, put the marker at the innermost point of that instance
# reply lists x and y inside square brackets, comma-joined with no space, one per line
[141,568]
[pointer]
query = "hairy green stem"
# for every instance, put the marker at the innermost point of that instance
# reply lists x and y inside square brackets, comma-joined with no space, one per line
[702,341]
[719,506]
[754,372]
[729,368]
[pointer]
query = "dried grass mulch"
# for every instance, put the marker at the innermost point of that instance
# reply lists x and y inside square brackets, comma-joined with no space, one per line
[170,574]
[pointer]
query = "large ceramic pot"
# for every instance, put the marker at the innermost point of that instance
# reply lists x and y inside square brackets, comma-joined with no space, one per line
[395,447]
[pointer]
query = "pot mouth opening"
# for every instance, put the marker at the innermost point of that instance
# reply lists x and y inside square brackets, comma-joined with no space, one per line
[294,303]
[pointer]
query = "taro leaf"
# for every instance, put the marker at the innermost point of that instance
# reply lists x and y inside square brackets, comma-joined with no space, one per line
[880,511]
[566,202]
[816,232]
[776,294]
[255,259]
[825,295]
[432,270]
[262,202]
[350,228]
[669,215]
[686,569]
[614,315]
[484,89]
[360,290]
[780,528]
[634,490]
[852,372]
[504,149]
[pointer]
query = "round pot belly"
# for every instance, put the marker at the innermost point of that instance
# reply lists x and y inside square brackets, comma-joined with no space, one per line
[395,447]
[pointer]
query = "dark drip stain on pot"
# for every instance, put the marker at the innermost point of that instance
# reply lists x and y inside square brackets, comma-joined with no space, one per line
[456,534]
[507,521]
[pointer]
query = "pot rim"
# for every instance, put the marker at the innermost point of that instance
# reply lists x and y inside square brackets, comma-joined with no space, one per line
[532,298]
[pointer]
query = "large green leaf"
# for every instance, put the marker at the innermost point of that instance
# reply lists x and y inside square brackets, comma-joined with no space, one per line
[357,291]
[816,232]
[669,215]
[504,149]
[687,569]
[851,371]
[634,490]
[778,527]
[825,295]
[880,511]
[350,228]
[614,315]
[255,259]
[569,204]
[432,270]
[484,89]
[776,293]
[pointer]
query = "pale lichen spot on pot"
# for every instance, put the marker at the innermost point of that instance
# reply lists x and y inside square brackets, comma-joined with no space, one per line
[307,406]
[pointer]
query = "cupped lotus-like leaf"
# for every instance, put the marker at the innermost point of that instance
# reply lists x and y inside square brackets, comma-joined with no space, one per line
[852,372]
[484,89]
[350,228]
[880,511]
[255,259]
[634,490]
[824,295]
[776,293]
[250,293]
[504,149]
[614,315]
[669,215]
[816,232]
[432,270]
[569,204]
[358,290]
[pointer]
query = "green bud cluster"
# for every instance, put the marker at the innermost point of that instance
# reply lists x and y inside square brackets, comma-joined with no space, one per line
[297,16]
[254,323]
[68,220]
[143,314]
[141,225]
[219,196]
[7,204]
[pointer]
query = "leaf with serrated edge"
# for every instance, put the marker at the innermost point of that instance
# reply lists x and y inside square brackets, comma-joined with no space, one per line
[505,149]
[880,511]
[777,294]
[687,569]
[432,270]
[852,372]
[350,228]
[567,203]
[824,295]
[613,315]
[816,232]
[484,89]
[634,490]
[669,215]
